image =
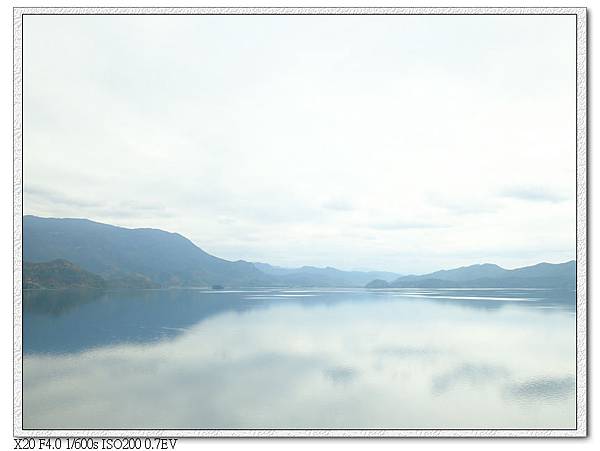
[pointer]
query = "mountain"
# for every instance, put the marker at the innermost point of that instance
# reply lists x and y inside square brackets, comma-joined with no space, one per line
[147,258]
[118,253]
[463,273]
[542,275]
[59,273]
[322,277]
[131,281]
[80,252]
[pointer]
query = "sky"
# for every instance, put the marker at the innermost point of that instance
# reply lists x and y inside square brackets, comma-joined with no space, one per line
[400,143]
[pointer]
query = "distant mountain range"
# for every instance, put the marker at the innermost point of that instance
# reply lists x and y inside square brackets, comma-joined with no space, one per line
[323,277]
[542,275]
[75,253]
[146,258]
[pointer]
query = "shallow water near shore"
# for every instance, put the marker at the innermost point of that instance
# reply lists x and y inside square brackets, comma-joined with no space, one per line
[294,358]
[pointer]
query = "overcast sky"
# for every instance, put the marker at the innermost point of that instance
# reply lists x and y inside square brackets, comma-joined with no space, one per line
[405,143]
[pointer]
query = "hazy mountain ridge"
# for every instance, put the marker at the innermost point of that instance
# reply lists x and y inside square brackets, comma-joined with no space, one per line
[324,277]
[541,275]
[168,259]
[462,273]
[121,256]
[151,258]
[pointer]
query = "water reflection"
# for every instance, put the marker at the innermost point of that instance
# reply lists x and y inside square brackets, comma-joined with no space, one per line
[334,359]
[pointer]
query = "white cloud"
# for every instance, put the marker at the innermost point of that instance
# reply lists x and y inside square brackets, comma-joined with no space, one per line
[309,133]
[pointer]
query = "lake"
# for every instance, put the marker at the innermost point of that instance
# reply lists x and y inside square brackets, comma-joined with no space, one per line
[299,358]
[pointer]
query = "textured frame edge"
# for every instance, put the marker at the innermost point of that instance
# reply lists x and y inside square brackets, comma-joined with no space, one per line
[17,219]
[581,228]
[581,215]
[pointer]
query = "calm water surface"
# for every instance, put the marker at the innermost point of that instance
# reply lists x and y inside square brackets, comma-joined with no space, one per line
[407,358]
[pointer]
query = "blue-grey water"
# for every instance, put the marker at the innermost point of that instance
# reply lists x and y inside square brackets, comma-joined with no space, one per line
[321,358]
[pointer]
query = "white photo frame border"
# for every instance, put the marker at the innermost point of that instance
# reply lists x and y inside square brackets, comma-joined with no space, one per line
[580,15]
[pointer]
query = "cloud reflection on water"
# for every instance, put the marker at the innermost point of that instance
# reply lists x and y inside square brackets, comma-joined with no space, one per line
[363,364]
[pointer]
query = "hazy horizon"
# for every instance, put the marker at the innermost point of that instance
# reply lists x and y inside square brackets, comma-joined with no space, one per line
[396,143]
[360,269]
